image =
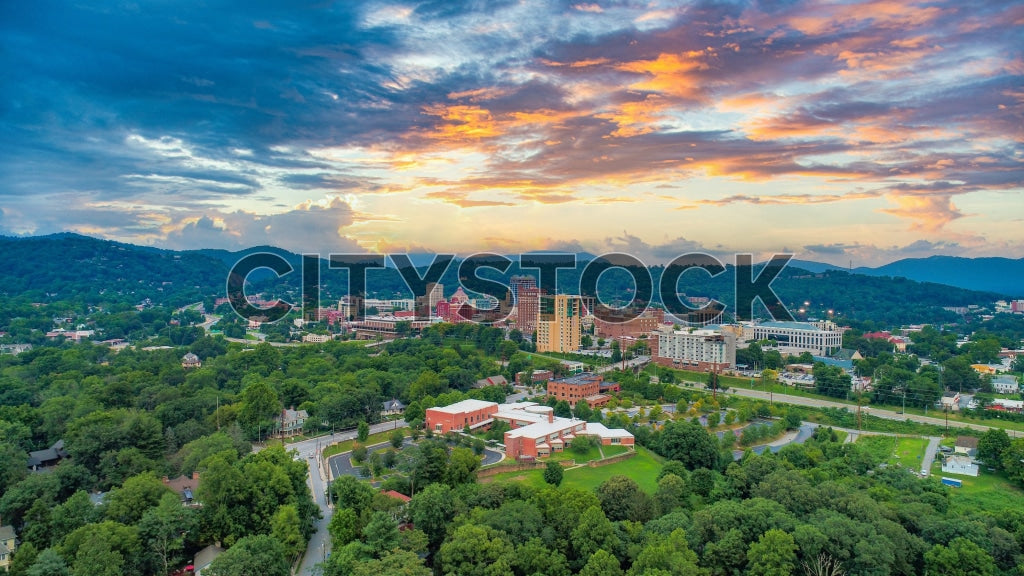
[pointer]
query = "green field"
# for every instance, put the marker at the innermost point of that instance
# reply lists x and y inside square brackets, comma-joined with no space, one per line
[989,491]
[643,468]
[909,452]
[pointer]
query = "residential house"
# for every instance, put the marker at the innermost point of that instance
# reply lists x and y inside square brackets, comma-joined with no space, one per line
[393,407]
[951,401]
[966,445]
[1005,384]
[205,557]
[491,381]
[185,487]
[290,422]
[959,464]
[190,360]
[41,459]
[8,544]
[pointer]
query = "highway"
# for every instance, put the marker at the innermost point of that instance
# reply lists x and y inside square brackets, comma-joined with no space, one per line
[879,412]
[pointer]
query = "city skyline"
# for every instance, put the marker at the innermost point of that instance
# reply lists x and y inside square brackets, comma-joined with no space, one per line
[855,133]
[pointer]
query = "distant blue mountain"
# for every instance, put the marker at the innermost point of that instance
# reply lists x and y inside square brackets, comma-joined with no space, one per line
[1000,275]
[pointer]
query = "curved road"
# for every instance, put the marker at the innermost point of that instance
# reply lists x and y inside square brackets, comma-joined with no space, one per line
[310,451]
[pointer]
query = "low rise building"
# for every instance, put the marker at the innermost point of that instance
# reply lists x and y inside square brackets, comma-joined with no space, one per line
[290,422]
[1005,384]
[707,349]
[535,430]
[8,545]
[959,464]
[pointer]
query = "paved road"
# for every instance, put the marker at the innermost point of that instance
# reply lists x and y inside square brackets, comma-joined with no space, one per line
[310,450]
[929,454]
[805,431]
[879,412]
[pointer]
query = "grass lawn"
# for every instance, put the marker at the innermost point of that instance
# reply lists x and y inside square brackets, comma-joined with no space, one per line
[989,491]
[841,435]
[643,468]
[909,452]
[373,439]
[613,450]
[880,447]
[591,454]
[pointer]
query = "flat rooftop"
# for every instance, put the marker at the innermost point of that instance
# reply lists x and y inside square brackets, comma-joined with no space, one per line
[465,406]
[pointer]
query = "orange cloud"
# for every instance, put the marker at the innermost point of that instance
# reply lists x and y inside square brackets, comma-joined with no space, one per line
[929,211]
[673,74]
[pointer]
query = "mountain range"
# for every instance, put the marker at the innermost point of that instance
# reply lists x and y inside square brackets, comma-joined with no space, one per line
[1001,275]
[79,268]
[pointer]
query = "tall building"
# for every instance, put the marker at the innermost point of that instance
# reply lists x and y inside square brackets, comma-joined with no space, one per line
[519,282]
[705,350]
[558,323]
[527,309]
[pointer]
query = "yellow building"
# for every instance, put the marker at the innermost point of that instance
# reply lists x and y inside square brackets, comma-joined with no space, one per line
[8,544]
[558,323]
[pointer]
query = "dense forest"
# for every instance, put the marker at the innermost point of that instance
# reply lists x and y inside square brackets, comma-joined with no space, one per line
[87,271]
[129,418]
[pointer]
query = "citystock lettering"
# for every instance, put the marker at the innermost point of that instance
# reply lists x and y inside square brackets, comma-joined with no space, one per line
[493,288]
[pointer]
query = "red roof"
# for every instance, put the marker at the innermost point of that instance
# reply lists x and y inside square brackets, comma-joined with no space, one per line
[397,495]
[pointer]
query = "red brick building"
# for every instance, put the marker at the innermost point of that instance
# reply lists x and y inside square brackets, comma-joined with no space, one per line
[473,413]
[575,388]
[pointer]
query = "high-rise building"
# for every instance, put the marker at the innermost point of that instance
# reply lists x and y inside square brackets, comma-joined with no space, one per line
[527,309]
[519,282]
[558,323]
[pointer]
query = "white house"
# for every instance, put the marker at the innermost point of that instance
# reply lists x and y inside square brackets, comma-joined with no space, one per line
[957,464]
[1005,384]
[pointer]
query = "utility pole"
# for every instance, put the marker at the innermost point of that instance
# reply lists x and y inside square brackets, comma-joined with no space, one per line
[858,413]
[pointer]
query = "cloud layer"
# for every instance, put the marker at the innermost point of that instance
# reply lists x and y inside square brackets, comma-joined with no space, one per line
[492,125]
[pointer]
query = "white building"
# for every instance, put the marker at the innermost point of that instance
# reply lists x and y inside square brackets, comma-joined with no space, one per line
[818,338]
[1005,385]
[957,464]
[705,349]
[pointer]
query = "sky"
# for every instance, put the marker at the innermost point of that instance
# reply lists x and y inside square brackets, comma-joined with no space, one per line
[843,132]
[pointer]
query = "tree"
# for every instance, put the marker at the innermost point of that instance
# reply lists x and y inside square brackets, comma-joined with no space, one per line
[475,550]
[991,446]
[670,556]
[671,493]
[163,530]
[397,438]
[602,563]
[381,534]
[24,558]
[95,557]
[344,527]
[431,510]
[622,499]
[594,532]
[49,563]
[285,528]
[690,444]
[395,563]
[961,558]
[534,557]
[616,352]
[260,554]
[362,432]
[139,493]
[553,473]
[258,406]
[462,466]
[774,554]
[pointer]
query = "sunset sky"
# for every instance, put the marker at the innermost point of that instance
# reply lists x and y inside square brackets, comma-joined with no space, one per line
[842,131]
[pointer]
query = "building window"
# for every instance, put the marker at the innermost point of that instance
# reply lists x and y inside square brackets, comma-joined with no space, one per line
[616,441]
